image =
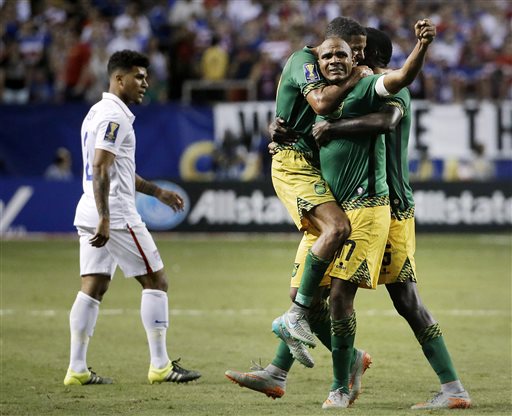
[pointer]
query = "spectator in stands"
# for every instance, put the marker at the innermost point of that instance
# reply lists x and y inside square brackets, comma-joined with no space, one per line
[425,169]
[183,11]
[97,76]
[444,58]
[476,168]
[214,61]
[265,74]
[60,169]
[14,72]
[158,72]
[132,17]
[181,60]
[471,79]
[501,77]
[229,157]
[126,37]
[75,77]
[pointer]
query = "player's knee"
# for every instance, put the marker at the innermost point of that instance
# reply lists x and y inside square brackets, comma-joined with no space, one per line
[293,293]
[341,229]
[95,286]
[161,284]
[156,281]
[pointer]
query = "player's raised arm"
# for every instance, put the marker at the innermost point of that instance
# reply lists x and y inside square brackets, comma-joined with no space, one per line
[394,81]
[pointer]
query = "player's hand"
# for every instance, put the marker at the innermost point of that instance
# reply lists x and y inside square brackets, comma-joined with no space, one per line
[425,31]
[361,71]
[171,199]
[102,235]
[280,133]
[322,132]
[357,74]
[272,146]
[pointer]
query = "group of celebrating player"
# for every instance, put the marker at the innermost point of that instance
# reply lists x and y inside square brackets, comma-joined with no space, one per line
[339,146]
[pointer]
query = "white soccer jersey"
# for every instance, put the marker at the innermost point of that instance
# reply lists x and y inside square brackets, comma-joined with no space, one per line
[108,126]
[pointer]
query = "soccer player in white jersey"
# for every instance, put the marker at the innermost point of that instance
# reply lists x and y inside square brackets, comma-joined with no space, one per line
[111,231]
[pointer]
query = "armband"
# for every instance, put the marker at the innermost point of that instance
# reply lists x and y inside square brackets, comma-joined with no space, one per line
[380,89]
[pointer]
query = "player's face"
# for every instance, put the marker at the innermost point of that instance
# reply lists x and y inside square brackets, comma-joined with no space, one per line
[357,44]
[335,59]
[134,85]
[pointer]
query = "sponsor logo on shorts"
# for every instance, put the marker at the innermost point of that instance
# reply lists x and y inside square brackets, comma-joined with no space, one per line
[341,266]
[320,188]
[295,269]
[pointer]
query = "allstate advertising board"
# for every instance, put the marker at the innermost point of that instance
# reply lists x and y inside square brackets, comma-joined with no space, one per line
[34,205]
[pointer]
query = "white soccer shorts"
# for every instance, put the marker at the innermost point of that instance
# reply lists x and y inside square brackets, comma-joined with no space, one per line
[132,249]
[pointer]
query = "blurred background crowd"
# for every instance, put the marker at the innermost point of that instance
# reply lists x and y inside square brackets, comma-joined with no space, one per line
[54,51]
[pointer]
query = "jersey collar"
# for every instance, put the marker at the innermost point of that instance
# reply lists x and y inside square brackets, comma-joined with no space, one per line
[120,103]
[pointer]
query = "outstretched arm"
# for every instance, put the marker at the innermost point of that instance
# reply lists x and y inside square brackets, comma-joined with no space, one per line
[384,121]
[170,198]
[394,81]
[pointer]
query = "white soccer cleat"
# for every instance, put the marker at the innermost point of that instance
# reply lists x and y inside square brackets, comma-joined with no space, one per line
[337,400]
[259,380]
[297,348]
[296,323]
[362,363]
[446,401]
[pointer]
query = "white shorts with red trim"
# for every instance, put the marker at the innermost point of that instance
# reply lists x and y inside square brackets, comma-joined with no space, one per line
[132,249]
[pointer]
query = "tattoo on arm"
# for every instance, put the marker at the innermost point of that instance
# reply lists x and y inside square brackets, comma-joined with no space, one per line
[145,187]
[101,188]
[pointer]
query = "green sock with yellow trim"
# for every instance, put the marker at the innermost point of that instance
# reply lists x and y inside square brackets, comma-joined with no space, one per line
[433,346]
[342,339]
[314,270]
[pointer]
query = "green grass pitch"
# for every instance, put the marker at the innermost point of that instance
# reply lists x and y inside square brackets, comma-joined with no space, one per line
[224,292]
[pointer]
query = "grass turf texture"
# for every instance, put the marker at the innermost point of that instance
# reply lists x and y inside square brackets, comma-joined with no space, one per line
[224,293]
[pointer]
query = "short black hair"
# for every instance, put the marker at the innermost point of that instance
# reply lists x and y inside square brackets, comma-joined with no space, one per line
[125,60]
[344,28]
[379,48]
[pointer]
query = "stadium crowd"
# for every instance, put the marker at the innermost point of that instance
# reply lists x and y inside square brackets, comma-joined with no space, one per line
[56,50]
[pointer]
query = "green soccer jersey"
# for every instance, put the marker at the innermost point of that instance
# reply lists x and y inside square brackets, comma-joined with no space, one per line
[397,163]
[300,75]
[355,167]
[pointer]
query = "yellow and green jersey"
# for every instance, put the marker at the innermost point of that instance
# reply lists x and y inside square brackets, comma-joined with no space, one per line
[355,166]
[299,77]
[397,163]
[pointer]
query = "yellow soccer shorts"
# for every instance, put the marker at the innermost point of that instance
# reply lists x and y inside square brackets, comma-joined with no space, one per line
[299,185]
[398,263]
[359,260]
[306,243]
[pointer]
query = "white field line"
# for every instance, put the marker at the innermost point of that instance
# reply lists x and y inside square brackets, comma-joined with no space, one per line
[232,312]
